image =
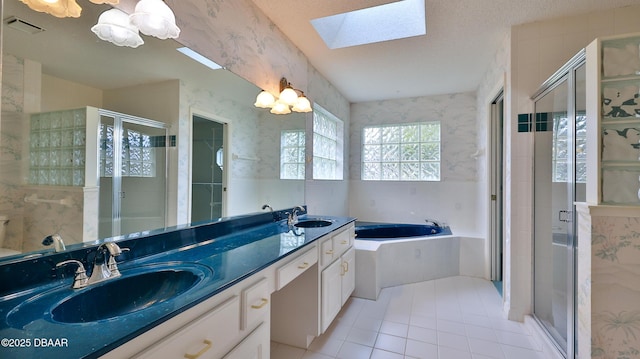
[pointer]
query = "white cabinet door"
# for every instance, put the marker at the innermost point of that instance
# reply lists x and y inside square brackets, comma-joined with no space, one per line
[254,346]
[205,338]
[331,293]
[348,274]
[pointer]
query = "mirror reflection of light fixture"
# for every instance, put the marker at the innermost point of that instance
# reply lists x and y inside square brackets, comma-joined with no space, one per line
[57,8]
[288,100]
[155,18]
[114,26]
[110,2]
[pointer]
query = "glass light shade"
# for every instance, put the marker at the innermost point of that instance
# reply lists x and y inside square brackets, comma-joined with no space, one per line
[265,100]
[302,105]
[155,18]
[57,8]
[289,96]
[280,108]
[114,26]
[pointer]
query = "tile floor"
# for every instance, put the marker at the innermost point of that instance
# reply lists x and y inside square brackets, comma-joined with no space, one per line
[451,318]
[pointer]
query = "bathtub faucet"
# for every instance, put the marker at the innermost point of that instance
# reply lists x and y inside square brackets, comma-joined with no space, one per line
[56,240]
[433,222]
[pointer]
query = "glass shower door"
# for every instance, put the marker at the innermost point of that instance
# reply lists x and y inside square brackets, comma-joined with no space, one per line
[559,182]
[552,190]
[133,173]
[143,180]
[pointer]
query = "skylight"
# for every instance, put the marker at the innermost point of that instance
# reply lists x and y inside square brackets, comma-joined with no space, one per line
[397,20]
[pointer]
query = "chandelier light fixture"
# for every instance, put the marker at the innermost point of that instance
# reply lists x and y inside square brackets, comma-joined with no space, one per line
[290,99]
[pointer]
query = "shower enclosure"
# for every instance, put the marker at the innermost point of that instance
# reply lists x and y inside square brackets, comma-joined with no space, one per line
[559,126]
[132,174]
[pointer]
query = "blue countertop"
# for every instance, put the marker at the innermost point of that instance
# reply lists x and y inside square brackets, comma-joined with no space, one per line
[28,329]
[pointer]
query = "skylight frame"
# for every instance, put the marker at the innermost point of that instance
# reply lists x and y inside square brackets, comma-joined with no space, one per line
[393,21]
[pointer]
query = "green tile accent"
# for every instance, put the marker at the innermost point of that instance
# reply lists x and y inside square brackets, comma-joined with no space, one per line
[524,122]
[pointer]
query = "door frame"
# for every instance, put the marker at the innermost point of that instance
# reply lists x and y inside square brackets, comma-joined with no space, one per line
[226,146]
[496,186]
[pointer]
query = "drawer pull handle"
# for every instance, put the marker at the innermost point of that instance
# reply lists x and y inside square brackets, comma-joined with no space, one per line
[263,302]
[330,251]
[344,242]
[208,345]
[304,265]
[345,267]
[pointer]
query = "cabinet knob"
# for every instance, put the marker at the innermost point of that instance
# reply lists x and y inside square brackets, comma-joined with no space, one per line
[304,265]
[330,251]
[207,345]
[263,302]
[344,242]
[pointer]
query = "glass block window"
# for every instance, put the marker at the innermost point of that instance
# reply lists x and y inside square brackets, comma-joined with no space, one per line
[292,154]
[407,152]
[560,153]
[327,145]
[57,147]
[138,157]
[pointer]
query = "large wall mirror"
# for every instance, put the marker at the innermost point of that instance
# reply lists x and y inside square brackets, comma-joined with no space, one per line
[202,138]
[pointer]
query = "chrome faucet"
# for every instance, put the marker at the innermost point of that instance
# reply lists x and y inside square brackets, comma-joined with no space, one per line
[293,216]
[80,280]
[108,268]
[56,240]
[433,222]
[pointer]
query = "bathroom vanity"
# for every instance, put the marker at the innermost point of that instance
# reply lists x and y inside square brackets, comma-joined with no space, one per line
[224,290]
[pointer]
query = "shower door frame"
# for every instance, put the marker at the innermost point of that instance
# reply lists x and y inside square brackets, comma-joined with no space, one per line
[566,73]
[118,123]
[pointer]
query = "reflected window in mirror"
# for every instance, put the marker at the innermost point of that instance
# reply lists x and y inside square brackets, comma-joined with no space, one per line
[292,154]
[328,145]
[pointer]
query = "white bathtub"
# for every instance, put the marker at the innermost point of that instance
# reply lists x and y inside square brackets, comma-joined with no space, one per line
[389,263]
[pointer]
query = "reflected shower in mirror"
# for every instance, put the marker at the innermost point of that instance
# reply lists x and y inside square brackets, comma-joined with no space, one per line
[52,170]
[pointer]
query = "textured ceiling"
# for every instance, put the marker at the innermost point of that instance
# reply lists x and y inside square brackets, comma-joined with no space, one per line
[462,38]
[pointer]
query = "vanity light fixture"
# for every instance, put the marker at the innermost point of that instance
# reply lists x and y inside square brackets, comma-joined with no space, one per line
[155,18]
[288,100]
[114,26]
[57,8]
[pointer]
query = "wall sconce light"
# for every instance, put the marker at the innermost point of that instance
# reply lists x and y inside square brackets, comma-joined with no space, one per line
[57,8]
[155,18]
[114,26]
[288,100]
[151,17]
[62,8]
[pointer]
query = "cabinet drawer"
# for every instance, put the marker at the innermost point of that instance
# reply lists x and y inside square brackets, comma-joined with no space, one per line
[209,337]
[294,268]
[342,242]
[255,304]
[326,251]
[254,346]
